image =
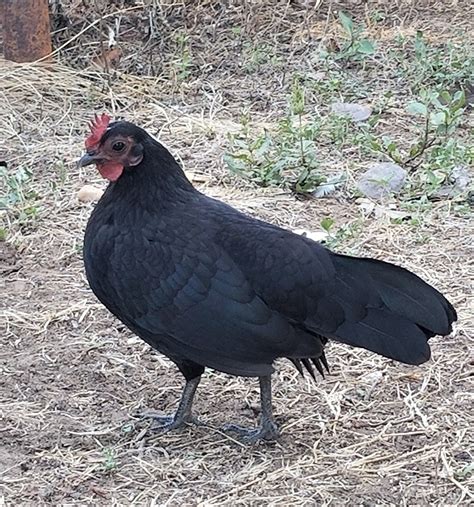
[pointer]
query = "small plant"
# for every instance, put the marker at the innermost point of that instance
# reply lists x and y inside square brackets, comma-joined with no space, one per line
[110,459]
[183,60]
[446,66]
[285,156]
[16,197]
[337,128]
[356,47]
[13,184]
[436,152]
[256,55]
[307,179]
[338,236]
[254,159]
[441,114]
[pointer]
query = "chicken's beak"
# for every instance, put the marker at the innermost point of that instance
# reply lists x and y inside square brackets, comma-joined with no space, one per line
[88,159]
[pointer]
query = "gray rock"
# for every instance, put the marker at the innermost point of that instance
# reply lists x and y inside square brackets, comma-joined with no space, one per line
[356,112]
[381,180]
[461,178]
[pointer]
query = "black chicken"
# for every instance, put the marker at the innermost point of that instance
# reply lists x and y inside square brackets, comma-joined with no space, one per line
[208,286]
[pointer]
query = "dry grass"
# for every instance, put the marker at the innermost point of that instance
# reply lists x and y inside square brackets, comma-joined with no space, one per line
[73,380]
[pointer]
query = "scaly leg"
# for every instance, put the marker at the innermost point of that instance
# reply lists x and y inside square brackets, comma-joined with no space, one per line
[268,429]
[183,415]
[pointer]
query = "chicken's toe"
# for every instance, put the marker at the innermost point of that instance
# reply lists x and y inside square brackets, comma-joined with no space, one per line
[163,423]
[267,432]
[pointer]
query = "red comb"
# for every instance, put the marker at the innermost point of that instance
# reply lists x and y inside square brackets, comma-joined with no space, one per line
[98,127]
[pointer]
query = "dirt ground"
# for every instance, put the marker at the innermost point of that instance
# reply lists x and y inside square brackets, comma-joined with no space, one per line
[74,381]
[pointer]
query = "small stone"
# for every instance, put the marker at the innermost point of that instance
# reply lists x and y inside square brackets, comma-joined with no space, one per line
[381,180]
[89,193]
[373,377]
[356,112]
[19,286]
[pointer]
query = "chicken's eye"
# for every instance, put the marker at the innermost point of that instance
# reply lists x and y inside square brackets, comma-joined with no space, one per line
[118,146]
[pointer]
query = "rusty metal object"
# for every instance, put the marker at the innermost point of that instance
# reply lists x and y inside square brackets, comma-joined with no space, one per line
[26,32]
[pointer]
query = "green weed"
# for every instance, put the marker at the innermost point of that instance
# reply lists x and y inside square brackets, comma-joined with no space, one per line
[16,196]
[355,46]
[254,55]
[183,60]
[285,156]
[110,462]
[342,235]
[433,146]
[444,66]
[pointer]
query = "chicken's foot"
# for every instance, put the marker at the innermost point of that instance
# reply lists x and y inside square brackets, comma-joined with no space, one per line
[268,429]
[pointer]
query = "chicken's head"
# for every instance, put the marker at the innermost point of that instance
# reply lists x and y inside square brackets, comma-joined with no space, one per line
[112,147]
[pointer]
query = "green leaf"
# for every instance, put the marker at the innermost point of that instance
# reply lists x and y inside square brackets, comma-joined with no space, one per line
[366,47]
[327,223]
[460,96]
[417,108]
[439,118]
[347,23]
[234,164]
[435,101]
[414,150]
[434,178]
[264,146]
[459,101]
[391,147]
[446,96]
[375,145]
[239,144]
[465,471]
[308,145]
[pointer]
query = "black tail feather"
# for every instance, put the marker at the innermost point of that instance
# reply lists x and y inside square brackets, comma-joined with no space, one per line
[309,367]
[403,292]
[401,311]
[324,361]
[318,365]
[297,365]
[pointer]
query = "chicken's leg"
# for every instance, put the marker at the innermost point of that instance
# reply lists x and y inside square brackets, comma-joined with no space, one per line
[268,429]
[183,414]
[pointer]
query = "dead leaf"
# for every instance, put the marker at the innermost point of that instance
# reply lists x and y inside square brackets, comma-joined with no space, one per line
[109,59]
[314,235]
[390,212]
[196,177]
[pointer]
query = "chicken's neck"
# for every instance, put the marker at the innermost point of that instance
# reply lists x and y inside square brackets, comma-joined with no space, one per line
[158,179]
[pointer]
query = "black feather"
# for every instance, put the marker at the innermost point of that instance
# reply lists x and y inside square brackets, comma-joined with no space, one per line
[297,365]
[317,363]
[309,367]
[324,361]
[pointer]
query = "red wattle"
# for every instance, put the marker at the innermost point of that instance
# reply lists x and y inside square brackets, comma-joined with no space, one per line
[110,171]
